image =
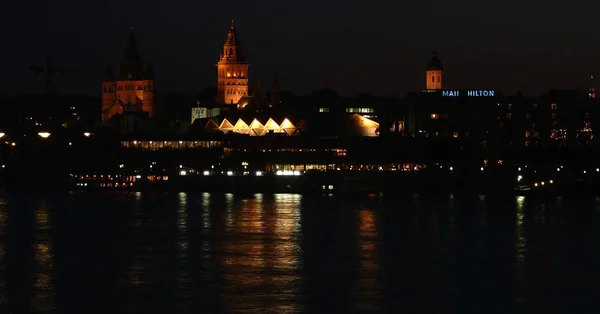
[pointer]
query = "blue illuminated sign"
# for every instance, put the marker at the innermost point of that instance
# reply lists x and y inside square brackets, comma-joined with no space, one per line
[469,93]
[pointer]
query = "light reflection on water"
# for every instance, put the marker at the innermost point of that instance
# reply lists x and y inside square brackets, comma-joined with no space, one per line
[367,284]
[43,281]
[258,255]
[191,253]
[3,262]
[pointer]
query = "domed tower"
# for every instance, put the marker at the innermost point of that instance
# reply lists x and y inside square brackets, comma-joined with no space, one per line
[434,73]
[232,78]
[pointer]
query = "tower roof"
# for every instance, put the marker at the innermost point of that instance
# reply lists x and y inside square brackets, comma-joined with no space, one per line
[232,49]
[434,63]
[132,67]
[108,74]
[149,69]
[232,38]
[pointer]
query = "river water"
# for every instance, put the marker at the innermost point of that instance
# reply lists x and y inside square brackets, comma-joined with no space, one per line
[288,253]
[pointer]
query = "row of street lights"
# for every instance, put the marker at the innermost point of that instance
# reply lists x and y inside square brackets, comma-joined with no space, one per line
[41,134]
[46,134]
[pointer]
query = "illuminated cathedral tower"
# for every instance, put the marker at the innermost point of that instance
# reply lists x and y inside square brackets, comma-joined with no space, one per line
[132,89]
[434,74]
[232,76]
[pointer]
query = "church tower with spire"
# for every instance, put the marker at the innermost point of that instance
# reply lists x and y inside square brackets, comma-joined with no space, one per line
[232,70]
[132,89]
[274,100]
[434,73]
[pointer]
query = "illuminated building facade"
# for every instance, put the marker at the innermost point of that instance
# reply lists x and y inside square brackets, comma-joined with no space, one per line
[133,87]
[232,70]
[556,119]
[434,72]
[457,114]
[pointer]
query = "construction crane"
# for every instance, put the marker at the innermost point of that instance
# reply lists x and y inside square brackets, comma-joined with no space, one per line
[49,72]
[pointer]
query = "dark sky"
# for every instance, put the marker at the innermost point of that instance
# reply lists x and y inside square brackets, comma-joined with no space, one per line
[373,46]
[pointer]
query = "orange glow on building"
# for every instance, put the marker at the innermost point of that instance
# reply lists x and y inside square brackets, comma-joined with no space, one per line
[232,70]
[364,126]
[132,89]
[256,128]
[434,73]
[359,126]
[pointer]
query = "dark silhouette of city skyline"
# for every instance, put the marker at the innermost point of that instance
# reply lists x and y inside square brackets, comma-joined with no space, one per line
[349,49]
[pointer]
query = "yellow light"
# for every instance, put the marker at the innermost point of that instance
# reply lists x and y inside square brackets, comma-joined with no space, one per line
[13,144]
[44,134]
[2,135]
[543,182]
[551,181]
[535,184]
[87,134]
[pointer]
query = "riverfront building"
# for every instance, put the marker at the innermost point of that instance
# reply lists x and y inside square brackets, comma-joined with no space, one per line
[132,89]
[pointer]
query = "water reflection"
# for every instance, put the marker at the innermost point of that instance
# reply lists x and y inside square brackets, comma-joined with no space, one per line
[182,276]
[43,283]
[258,256]
[138,273]
[367,283]
[3,261]
[196,253]
[520,249]
[229,211]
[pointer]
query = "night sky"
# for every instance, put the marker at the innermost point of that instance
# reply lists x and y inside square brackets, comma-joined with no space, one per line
[381,47]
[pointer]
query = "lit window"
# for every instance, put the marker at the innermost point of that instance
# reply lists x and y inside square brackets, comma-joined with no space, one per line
[554,106]
[360,110]
[434,116]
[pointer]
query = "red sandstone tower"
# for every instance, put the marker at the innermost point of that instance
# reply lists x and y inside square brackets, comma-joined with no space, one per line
[232,70]
[132,89]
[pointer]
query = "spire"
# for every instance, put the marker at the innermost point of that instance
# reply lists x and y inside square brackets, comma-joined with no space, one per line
[108,74]
[592,93]
[149,70]
[257,91]
[232,49]
[131,66]
[274,99]
[232,38]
